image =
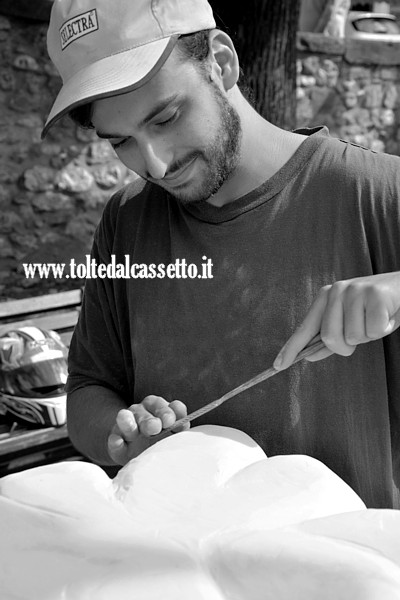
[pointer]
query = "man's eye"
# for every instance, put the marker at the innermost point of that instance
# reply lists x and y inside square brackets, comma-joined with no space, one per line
[170,119]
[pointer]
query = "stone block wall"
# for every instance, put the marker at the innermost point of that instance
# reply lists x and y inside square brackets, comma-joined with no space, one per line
[351,86]
[52,193]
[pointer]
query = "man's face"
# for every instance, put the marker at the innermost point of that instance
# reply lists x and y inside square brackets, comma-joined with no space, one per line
[178,131]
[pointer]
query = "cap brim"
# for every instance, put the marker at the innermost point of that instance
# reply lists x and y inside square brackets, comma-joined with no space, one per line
[116,74]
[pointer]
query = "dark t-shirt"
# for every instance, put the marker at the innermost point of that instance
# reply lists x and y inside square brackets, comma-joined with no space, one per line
[331,213]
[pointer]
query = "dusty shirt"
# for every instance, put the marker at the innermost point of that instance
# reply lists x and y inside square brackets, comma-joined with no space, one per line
[331,213]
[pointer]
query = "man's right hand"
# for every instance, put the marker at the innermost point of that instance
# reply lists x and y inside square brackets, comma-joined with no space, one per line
[137,425]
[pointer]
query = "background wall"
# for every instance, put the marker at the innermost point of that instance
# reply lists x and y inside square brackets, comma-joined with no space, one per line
[52,193]
[353,87]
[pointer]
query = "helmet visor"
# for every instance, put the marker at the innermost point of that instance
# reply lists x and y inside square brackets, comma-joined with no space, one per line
[40,379]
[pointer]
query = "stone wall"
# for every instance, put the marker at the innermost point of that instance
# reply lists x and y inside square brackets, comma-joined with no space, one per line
[52,193]
[351,86]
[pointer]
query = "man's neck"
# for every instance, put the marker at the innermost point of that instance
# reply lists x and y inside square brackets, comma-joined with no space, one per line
[265,149]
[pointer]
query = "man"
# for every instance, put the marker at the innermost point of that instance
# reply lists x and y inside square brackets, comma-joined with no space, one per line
[302,231]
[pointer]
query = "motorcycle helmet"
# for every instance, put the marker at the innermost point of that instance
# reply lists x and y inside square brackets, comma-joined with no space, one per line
[33,373]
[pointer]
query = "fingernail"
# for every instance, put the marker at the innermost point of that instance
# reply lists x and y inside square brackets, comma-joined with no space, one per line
[168,419]
[115,440]
[390,326]
[278,361]
[128,418]
[151,425]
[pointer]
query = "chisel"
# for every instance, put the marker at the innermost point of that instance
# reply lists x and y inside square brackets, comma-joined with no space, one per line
[315,345]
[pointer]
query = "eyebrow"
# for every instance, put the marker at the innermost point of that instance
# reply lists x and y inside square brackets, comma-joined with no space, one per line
[158,108]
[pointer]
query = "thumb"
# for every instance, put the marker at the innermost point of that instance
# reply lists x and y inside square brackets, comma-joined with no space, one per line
[393,324]
[117,448]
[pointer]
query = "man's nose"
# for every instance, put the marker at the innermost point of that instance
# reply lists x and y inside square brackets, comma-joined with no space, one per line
[155,158]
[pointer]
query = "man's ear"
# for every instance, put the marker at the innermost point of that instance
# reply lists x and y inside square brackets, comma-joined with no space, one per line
[224,60]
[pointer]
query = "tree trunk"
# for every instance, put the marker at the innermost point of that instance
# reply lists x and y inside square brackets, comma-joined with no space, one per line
[38,10]
[264,33]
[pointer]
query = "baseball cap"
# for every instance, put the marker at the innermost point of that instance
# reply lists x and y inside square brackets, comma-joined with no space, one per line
[106,47]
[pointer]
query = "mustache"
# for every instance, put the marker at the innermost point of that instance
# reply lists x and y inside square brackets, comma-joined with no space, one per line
[183,162]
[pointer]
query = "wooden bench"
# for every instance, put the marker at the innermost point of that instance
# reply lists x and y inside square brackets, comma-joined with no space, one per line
[57,311]
[22,446]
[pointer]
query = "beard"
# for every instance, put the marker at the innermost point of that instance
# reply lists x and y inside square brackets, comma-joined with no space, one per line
[218,159]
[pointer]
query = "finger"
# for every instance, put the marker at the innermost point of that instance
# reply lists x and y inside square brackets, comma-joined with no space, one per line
[332,323]
[180,410]
[354,318]
[378,322]
[319,355]
[161,409]
[127,424]
[117,448]
[394,323]
[147,422]
[304,333]
[121,451]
